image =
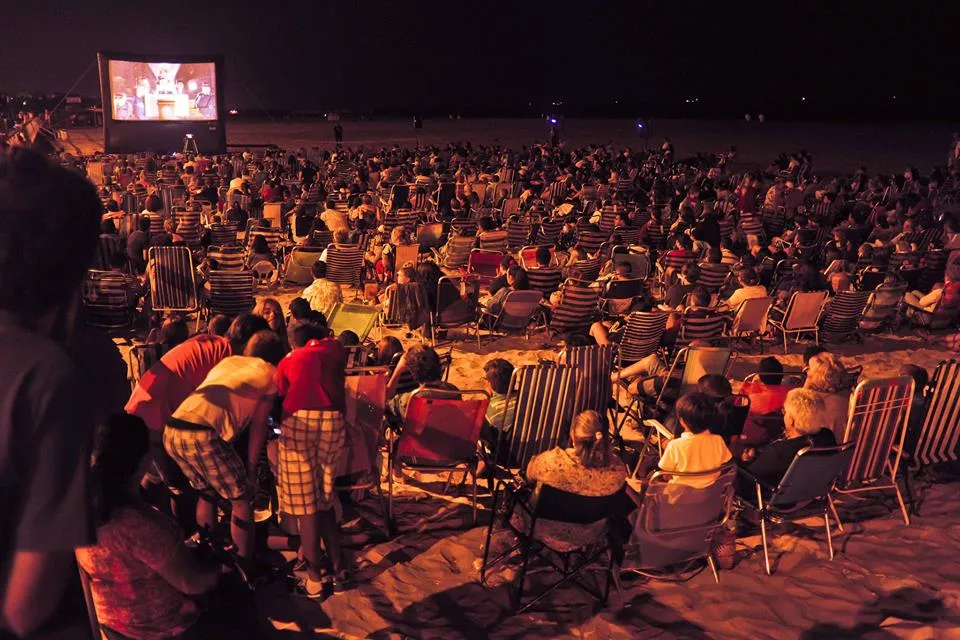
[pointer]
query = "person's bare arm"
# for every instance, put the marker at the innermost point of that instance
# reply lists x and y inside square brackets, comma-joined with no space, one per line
[395,378]
[188,576]
[34,588]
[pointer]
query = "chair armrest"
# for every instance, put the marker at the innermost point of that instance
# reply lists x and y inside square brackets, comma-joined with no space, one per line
[752,478]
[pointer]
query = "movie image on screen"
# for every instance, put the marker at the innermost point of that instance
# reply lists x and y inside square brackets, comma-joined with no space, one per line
[163,91]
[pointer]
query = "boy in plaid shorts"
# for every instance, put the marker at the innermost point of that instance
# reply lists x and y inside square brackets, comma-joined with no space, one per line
[237,394]
[312,440]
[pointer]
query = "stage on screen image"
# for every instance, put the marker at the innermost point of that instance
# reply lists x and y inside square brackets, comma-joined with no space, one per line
[151,91]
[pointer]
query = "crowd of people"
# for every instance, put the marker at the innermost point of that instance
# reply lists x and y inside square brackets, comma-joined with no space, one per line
[255,404]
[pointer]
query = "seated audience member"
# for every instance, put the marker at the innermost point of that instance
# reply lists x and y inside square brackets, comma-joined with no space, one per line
[137,244]
[946,293]
[348,338]
[516,281]
[589,467]
[750,287]
[697,448]
[259,252]
[500,281]
[802,412]
[322,294]
[827,377]
[767,392]
[424,366]
[677,292]
[389,352]
[497,373]
[918,408]
[142,576]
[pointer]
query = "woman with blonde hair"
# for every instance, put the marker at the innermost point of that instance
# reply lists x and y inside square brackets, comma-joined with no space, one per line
[827,377]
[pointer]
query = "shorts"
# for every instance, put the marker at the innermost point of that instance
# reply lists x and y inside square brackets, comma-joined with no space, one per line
[312,442]
[209,463]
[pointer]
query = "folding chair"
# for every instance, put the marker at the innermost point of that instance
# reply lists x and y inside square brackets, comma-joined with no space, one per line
[107,301]
[456,252]
[408,306]
[453,309]
[618,296]
[359,318]
[802,315]
[518,311]
[231,293]
[224,234]
[549,232]
[877,426]
[713,276]
[641,335]
[751,319]
[484,264]
[406,254]
[518,235]
[299,268]
[595,363]
[430,236]
[639,263]
[441,431]
[549,503]
[345,264]
[366,400]
[229,258]
[173,285]
[577,309]
[587,270]
[678,517]
[546,280]
[108,245]
[494,240]
[697,324]
[803,491]
[842,315]
[527,256]
[883,306]
[939,436]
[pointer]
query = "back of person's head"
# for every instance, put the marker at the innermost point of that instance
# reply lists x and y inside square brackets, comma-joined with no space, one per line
[389,350]
[122,443]
[299,308]
[144,224]
[919,375]
[498,371]
[770,371]
[696,411]
[218,325]
[319,269]
[107,227]
[573,339]
[825,373]
[408,272]
[173,331]
[588,435]
[265,345]
[749,278]
[260,245]
[543,256]
[242,329]
[153,204]
[506,261]
[486,223]
[517,277]
[50,218]
[700,297]
[684,242]
[811,351]
[623,269]
[715,385]
[691,272]
[424,364]
[311,328]
[341,236]
[348,338]
[802,411]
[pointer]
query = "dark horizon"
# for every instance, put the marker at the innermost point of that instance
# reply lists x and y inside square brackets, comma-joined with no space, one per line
[615,60]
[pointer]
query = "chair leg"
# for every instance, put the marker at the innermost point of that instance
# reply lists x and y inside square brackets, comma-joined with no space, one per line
[826,522]
[903,507]
[833,511]
[763,535]
[474,521]
[713,568]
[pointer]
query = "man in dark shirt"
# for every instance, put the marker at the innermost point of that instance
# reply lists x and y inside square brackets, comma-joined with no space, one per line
[137,244]
[50,216]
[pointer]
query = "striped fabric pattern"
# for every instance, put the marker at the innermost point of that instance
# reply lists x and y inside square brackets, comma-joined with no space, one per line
[494,240]
[549,231]
[229,258]
[271,235]
[939,437]
[404,218]
[518,234]
[843,315]
[876,423]
[577,308]
[588,270]
[545,397]
[458,252]
[231,292]
[224,234]
[173,287]
[108,244]
[642,335]
[546,281]
[590,241]
[713,276]
[594,364]
[700,327]
[105,299]
[344,264]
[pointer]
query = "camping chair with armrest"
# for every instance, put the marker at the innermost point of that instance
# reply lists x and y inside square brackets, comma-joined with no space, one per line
[453,310]
[713,276]
[883,306]
[345,265]
[803,491]
[299,270]
[456,253]
[231,293]
[595,363]
[617,297]
[570,559]
[801,316]
[527,256]
[678,517]
[750,320]
[441,433]
[484,264]
[517,312]
[842,315]
[877,426]
[359,318]
[107,300]
[173,287]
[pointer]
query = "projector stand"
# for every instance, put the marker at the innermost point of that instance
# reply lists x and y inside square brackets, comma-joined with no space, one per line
[190,145]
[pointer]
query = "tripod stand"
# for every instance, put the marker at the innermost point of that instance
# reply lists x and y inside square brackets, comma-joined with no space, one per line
[190,144]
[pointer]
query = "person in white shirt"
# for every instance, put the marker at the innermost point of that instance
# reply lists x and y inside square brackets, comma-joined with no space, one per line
[335,220]
[750,288]
[696,449]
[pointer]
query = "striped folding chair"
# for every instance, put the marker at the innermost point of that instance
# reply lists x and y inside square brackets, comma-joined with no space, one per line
[608,218]
[545,397]
[484,263]
[595,364]
[842,315]
[229,257]
[299,267]
[587,270]
[713,276]
[345,264]
[406,218]
[883,306]
[801,316]
[108,245]
[173,285]
[223,234]
[546,281]
[494,240]
[518,235]
[106,299]
[939,437]
[879,413]
[527,256]
[697,325]
[231,293]
[549,232]
[590,241]
[272,235]
[578,307]
[641,335]
[456,252]
[639,263]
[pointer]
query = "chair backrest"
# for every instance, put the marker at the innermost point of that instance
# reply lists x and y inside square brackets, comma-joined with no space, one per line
[430,236]
[695,362]
[751,316]
[271,235]
[484,263]
[939,436]
[458,251]
[358,318]
[344,264]
[494,240]
[545,397]
[549,231]
[804,309]
[588,270]
[106,299]
[623,289]
[442,427]
[528,255]
[453,310]
[577,308]
[174,286]
[108,245]
[229,258]
[642,335]
[231,292]
[546,280]
[877,424]
[884,302]
[870,280]
[572,508]
[300,265]
[517,310]
[224,234]
[679,515]
[595,364]
[713,276]
[518,234]
[639,263]
[406,254]
[812,474]
[700,326]
[843,315]
[590,241]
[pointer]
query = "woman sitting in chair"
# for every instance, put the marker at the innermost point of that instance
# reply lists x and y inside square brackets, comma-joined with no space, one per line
[516,281]
[827,377]
[259,252]
[589,467]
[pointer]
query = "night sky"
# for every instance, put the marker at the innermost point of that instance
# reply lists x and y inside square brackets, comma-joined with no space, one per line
[498,58]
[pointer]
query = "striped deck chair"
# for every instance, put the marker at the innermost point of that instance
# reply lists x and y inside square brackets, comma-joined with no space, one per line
[106,299]
[430,236]
[802,315]
[456,253]
[752,225]
[641,335]
[629,236]
[878,419]
[842,315]
[229,258]
[345,264]
[934,266]
[578,307]
[713,276]
[464,226]
[883,306]
[544,398]
[156,223]
[272,235]
[441,433]
[406,218]
[299,269]
[546,281]
[774,221]
[938,439]
[518,235]
[591,241]
[359,318]
[511,205]
[527,256]
[587,270]
[484,263]
[549,231]
[676,260]
[231,293]
[321,238]
[608,218]
[595,364]
[617,297]
[556,191]
[224,234]
[696,325]
[657,236]
[494,240]
[173,285]
[108,245]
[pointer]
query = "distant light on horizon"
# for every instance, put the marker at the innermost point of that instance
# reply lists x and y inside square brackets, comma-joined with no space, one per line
[233,112]
[803,98]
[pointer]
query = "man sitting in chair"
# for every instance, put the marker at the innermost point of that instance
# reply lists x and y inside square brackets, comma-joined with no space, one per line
[322,294]
[423,363]
[697,449]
